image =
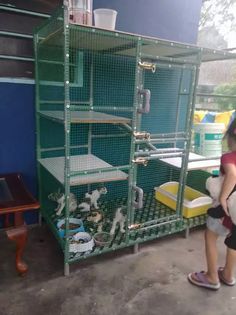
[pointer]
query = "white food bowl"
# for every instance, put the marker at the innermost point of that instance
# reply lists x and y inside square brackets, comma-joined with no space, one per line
[81,242]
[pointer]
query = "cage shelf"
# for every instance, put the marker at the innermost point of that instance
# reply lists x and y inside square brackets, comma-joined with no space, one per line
[193,163]
[85,117]
[126,43]
[97,42]
[79,163]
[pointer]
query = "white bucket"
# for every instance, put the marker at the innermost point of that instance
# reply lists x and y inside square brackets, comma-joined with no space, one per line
[208,139]
[105,18]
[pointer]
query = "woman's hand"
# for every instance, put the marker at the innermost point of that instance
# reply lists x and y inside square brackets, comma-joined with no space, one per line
[224,205]
[227,185]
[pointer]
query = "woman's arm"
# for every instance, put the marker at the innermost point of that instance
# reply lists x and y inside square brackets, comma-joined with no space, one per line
[228,184]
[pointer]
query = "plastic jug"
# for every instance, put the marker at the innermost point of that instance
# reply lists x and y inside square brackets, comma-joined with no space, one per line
[80,11]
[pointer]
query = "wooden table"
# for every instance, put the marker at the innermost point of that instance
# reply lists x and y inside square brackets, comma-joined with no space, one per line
[15,199]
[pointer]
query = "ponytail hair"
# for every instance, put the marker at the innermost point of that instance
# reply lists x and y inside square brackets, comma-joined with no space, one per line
[231,132]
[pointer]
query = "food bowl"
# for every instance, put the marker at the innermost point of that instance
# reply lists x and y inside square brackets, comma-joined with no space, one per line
[102,238]
[81,242]
[75,226]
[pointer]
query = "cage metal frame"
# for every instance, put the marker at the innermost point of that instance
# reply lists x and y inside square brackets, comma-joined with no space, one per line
[189,58]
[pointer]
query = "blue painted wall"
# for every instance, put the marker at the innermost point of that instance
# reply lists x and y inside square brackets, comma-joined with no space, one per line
[175,20]
[17,134]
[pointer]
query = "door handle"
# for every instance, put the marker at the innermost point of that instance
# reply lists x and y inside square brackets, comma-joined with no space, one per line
[139,203]
[147,95]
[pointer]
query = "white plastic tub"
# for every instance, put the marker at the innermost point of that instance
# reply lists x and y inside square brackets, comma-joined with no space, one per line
[105,18]
[195,203]
[208,139]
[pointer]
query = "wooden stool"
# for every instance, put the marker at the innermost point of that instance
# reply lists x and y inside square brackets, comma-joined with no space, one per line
[15,198]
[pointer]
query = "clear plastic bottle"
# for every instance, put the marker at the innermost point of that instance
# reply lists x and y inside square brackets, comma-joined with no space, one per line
[81,11]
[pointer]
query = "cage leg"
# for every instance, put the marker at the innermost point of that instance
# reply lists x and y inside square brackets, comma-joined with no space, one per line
[136,248]
[187,232]
[40,219]
[66,269]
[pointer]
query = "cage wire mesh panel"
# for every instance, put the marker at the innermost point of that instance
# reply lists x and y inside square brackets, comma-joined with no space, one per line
[171,83]
[101,92]
[105,100]
[170,90]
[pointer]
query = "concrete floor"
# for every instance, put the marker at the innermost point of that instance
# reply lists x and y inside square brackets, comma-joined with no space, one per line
[150,282]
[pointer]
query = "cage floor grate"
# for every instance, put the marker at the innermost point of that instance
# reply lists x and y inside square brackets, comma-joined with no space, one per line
[152,210]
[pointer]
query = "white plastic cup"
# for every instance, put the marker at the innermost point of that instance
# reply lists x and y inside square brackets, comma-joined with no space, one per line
[105,18]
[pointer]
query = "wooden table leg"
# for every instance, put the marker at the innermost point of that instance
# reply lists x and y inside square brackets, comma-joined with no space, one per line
[7,221]
[19,236]
[21,200]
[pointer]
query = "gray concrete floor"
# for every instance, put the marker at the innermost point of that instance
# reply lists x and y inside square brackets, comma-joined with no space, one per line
[150,282]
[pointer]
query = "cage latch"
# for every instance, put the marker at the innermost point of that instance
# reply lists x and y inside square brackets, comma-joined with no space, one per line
[134,226]
[141,135]
[147,66]
[140,161]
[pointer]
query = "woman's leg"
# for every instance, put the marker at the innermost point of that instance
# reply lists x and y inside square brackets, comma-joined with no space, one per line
[230,264]
[211,256]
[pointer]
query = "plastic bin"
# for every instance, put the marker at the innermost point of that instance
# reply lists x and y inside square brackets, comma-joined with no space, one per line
[208,139]
[105,18]
[195,203]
